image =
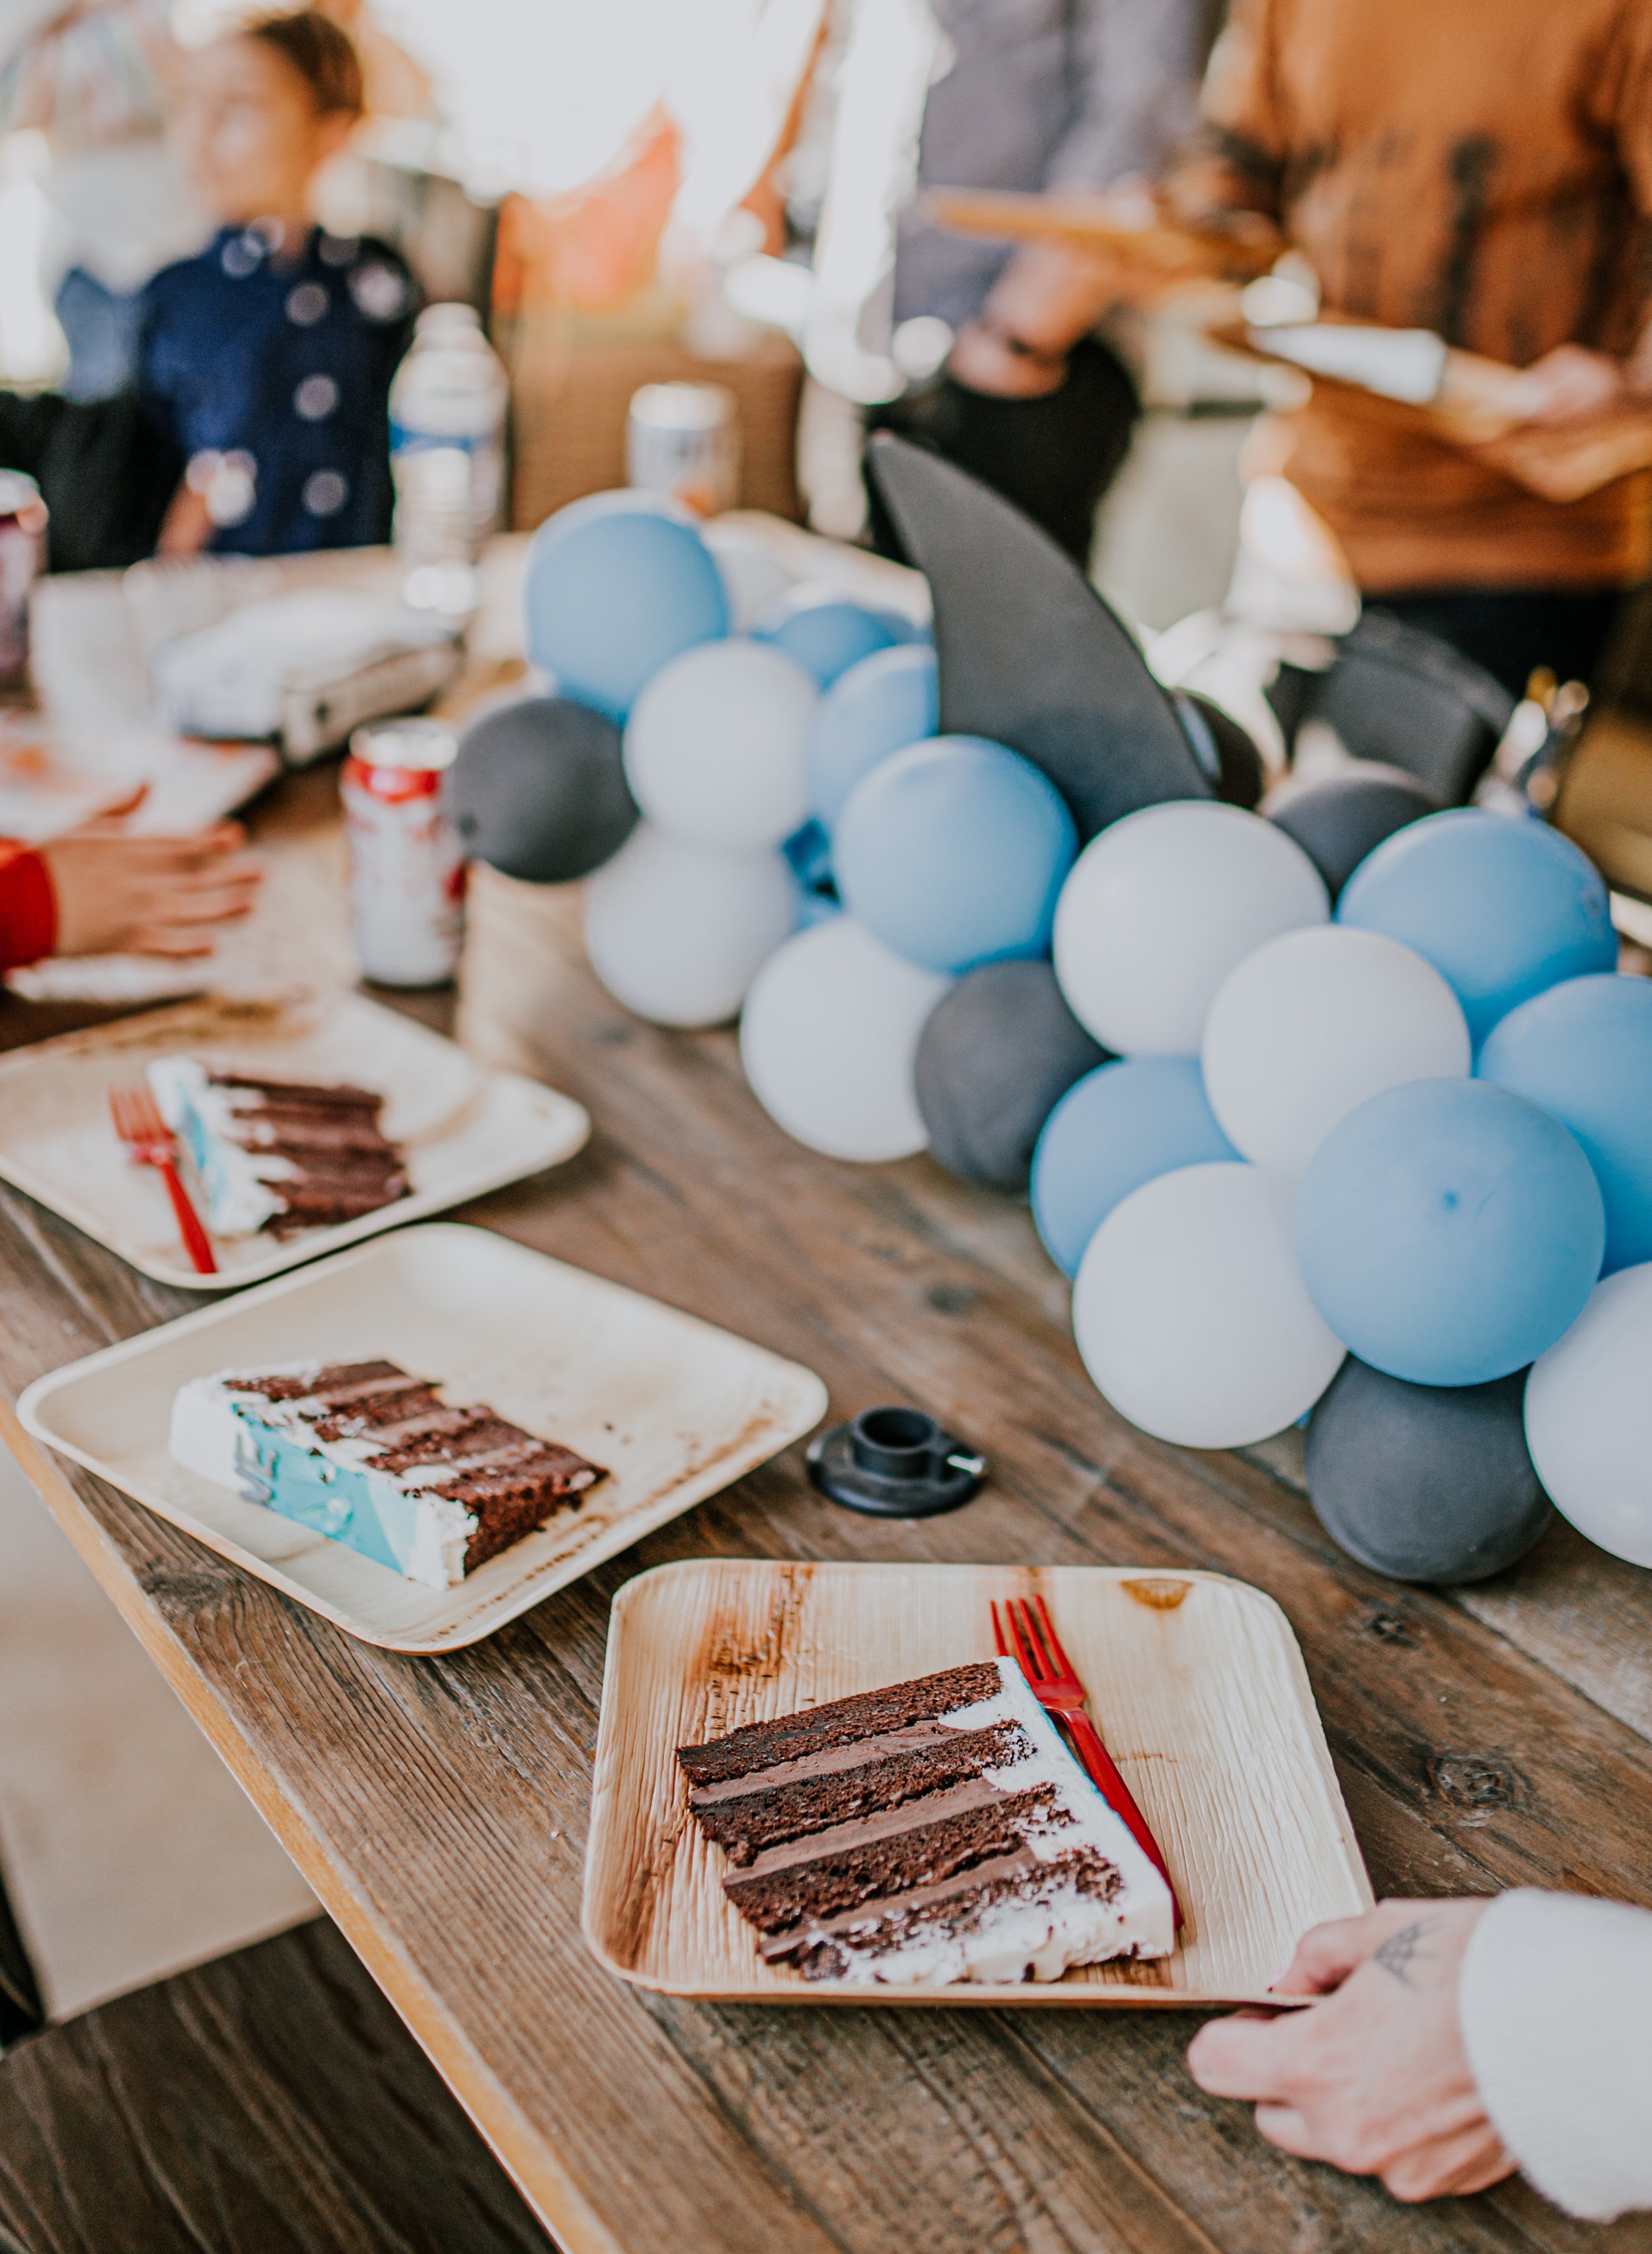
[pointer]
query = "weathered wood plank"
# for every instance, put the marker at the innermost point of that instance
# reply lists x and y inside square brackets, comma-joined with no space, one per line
[269,2103]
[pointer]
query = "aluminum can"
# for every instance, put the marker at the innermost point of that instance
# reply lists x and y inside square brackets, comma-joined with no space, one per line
[684,440]
[23,519]
[407,870]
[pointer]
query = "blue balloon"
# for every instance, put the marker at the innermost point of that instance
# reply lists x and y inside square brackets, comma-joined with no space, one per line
[952,853]
[1502,909]
[880,706]
[1120,1126]
[616,586]
[828,633]
[1449,1232]
[1583,1051]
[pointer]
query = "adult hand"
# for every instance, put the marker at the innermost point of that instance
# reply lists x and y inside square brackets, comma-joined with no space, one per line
[1375,2078]
[984,358]
[121,894]
[1570,384]
[1046,299]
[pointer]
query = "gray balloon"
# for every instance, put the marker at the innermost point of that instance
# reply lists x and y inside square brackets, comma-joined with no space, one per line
[1341,819]
[1430,1483]
[538,790]
[1237,774]
[1000,1050]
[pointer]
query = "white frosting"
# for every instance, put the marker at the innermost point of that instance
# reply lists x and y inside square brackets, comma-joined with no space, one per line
[1015,1941]
[429,1533]
[239,1200]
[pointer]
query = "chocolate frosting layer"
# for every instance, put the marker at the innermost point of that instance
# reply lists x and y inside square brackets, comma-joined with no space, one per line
[1021,1865]
[832,1760]
[869,1713]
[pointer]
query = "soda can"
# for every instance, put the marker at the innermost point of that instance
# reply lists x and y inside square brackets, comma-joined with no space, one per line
[684,440]
[22,520]
[407,870]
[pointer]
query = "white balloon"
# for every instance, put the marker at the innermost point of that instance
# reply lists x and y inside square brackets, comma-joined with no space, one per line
[1313,1023]
[716,746]
[677,931]
[752,575]
[1191,1314]
[830,1040]
[1589,1417]
[1161,906]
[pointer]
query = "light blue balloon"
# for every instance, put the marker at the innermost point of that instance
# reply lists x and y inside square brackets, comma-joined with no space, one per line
[1449,1232]
[1123,1125]
[1502,909]
[1583,1051]
[616,586]
[828,633]
[952,853]
[887,700]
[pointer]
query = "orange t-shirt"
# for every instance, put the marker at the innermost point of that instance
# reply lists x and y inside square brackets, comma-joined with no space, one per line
[1482,168]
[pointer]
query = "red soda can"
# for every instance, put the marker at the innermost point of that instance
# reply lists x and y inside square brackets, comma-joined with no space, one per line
[23,518]
[407,871]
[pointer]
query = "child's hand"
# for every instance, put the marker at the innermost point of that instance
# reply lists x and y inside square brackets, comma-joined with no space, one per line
[118,894]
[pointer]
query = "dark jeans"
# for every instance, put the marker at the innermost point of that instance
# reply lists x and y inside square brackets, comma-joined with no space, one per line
[1512,633]
[106,474]
[1054,457]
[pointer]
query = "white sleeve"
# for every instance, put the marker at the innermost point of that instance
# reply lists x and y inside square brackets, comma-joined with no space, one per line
[1555,1999]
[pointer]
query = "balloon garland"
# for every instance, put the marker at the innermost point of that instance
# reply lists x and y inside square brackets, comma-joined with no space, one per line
[1340,1116]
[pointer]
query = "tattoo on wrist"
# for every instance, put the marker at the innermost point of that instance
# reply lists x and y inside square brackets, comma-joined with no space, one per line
[1400,1951]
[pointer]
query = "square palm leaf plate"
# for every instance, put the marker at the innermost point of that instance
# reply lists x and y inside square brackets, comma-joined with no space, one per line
[672,1408]
[466,1131]
[1196,1684]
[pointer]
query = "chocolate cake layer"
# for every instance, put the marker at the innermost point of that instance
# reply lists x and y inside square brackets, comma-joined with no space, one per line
[510,1479]
[939,1827]
[341,1097]
[336,1163]
[854,1863]
[334,1380]
[821,1951]
[868,1714]
[770,1813]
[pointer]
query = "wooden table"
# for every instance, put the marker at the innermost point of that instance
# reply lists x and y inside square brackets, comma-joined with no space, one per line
[1495,1736]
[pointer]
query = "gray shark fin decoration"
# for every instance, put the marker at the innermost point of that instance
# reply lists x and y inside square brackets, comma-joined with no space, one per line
[1030,654]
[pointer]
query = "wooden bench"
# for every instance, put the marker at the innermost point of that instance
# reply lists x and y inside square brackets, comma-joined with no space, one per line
[271,2103]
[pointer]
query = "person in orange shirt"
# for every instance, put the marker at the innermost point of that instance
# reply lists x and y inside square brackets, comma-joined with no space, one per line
[1482,169]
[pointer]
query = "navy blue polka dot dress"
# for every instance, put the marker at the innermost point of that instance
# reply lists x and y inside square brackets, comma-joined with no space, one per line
[273,376]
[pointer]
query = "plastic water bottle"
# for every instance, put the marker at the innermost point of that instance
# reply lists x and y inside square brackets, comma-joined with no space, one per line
[447,429]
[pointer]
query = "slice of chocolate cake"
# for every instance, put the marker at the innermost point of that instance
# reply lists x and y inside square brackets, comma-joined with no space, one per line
[934,1831]
[374,1458]
[276,1154]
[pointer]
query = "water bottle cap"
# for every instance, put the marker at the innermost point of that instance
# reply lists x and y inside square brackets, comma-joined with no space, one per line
[683,406]
[448,318]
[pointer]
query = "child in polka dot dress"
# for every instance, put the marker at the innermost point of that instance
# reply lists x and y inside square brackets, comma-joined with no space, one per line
[260,423]
[267,360]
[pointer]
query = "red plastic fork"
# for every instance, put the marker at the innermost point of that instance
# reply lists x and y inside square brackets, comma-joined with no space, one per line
[1056,1687]
[139,1124]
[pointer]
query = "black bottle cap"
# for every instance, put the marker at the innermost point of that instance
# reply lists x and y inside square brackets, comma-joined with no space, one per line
[895,1463]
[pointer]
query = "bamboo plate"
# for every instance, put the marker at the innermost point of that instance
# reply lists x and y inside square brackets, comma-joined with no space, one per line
[674,1409]
[465,1131]
[1197,1684]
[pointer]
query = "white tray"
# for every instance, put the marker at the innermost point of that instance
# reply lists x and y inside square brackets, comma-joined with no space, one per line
[672,1408]
[466,1131]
